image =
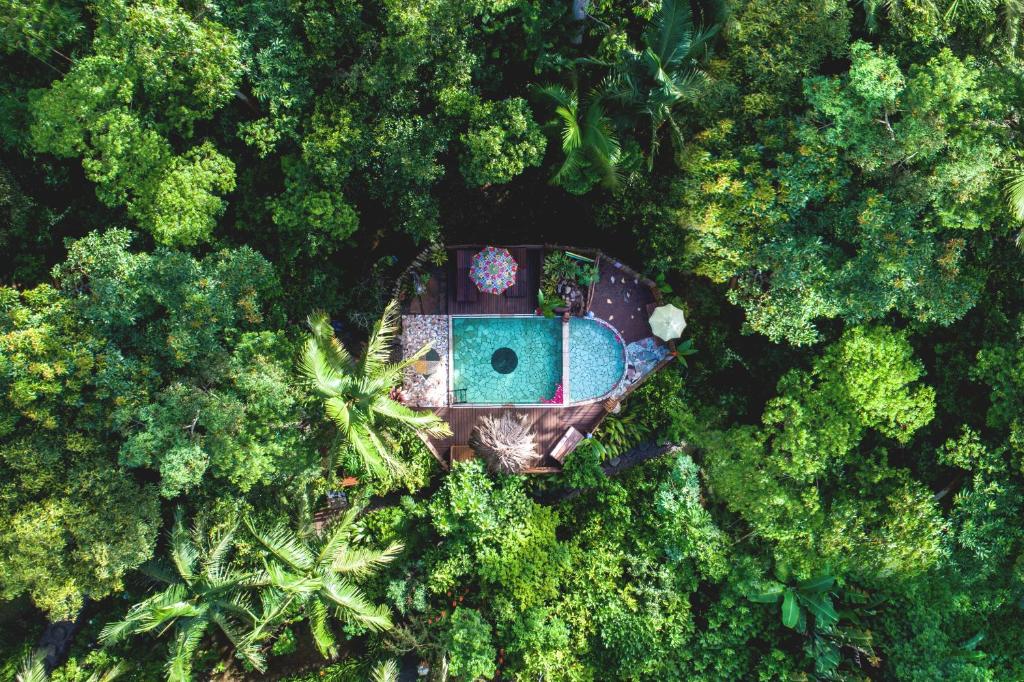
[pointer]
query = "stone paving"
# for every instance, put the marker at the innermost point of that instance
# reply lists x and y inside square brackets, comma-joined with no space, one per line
[419,390]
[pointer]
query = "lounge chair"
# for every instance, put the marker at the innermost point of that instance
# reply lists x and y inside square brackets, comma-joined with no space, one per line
[566,444]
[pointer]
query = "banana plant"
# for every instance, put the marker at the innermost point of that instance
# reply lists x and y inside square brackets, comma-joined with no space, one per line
[805,597]
[807,606]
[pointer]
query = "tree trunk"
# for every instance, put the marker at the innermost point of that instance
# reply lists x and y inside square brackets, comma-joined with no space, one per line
[579,16]
[56,640]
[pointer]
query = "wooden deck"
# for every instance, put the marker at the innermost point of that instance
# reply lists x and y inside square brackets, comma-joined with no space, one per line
[521,299]
[620,297]
[548,424]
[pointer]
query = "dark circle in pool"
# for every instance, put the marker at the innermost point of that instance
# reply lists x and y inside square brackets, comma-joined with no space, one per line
[504,361]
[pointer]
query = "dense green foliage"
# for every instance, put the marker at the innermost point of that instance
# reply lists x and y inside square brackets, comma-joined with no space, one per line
[832,191]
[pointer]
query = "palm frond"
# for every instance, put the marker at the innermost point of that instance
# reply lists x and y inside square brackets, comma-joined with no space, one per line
[292,583]
[353,605]
[371,455]
[670,33]
[160,571]
[284,544]
[337,410]
[33,668]
[320,628]
[385,672]
[147,615]
[110,675]
[381,341]
[184,552]
[572,165]
[360,561]
[245,645]
[1013,190]
[337,535]
[425,421]
[183,650]
[215,561]
[332,349]
[324,376]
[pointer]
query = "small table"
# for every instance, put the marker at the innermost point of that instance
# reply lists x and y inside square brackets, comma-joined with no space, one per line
[428,364]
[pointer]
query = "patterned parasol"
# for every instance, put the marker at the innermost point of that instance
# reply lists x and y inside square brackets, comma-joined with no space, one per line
[493,270]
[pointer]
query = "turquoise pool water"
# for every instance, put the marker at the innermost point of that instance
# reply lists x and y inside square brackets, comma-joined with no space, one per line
[506,359]
[596,359]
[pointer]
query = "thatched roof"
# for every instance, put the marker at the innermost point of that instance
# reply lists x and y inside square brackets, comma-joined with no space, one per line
[505,442]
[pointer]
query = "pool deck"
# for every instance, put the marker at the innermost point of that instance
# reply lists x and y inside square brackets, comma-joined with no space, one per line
[620,296]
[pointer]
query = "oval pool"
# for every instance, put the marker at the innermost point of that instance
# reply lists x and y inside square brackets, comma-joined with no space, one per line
[597,359]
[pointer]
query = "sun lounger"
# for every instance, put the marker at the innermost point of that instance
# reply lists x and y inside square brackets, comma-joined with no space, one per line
[566,444]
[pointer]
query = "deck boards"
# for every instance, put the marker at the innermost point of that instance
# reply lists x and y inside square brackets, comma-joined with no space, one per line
[547,423]
[524,303]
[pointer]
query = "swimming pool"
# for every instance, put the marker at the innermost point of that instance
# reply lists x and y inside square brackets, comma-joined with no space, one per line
[597,359]
[506,359]
[518,360]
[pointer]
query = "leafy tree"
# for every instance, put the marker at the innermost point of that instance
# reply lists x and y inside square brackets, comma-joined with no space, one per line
[187,70]
[313,576]
[502,141]
[39,27]
[470,646]
[357,393]
[811,438]
[76,522]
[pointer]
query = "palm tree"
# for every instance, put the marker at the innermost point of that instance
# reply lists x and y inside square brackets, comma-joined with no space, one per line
[592,152]
[313,576]
[203,590]
[1013,189]
[357,393]
[652,82]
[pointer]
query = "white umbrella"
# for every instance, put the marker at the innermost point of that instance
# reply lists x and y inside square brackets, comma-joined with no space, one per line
[667,322]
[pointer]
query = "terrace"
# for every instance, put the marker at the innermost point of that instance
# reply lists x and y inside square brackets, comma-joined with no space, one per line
[495,354]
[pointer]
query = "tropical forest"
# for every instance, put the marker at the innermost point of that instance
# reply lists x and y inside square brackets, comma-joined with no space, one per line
[525,340]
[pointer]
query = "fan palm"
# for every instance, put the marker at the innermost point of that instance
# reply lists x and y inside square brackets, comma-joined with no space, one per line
[203,590]
[314,576]
[357,393]
[652,82]
[592,152]
[505,441]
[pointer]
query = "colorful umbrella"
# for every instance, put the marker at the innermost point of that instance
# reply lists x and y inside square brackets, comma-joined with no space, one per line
[493,270]
[667,322]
